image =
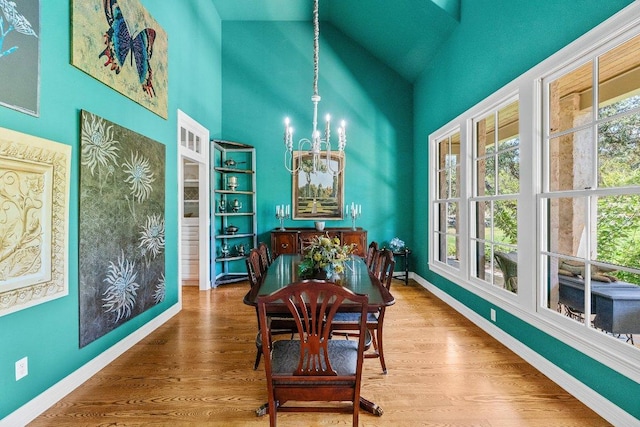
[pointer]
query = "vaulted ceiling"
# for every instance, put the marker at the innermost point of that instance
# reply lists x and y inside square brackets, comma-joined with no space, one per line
[404,34]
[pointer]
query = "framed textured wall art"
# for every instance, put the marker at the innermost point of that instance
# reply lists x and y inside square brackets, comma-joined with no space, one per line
[20,55]
[119,43]
[319,194]
[122,204]
[34,213]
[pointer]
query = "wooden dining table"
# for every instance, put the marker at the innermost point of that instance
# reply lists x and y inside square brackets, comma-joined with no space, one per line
[356,277]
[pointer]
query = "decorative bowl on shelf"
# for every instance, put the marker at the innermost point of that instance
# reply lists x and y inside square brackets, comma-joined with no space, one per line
[232,229]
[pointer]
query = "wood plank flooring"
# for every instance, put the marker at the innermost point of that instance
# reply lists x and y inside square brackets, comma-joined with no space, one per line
[197,370]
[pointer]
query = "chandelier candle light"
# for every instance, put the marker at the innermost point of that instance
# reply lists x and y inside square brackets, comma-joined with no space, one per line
[318,146]
[283,212]
[354,212]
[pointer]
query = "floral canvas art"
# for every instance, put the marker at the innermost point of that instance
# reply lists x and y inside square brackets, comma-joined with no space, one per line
[34,213]
[20,55]
[122,187]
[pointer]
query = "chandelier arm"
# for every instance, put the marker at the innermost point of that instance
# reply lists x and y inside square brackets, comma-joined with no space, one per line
[288,160]
[316,142]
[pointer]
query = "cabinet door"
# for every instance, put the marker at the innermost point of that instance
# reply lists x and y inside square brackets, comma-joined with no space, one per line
[305,237]
[284,242]
[359,238]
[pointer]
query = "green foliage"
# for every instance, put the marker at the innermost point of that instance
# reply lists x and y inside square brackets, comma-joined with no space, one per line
[619,166]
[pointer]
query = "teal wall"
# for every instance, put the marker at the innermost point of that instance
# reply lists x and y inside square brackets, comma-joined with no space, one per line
[48,333]
[267,70]
[496,41]
[239,79]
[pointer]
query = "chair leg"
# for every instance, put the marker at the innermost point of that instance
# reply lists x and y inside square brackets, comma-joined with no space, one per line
[258,354]
[356,412]
[380,348]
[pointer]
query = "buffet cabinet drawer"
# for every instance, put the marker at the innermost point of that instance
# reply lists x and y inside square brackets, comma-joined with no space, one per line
[284,242]
[294,240]
[358,238]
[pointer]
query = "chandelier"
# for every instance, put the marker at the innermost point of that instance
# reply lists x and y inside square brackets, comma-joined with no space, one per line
[320,145]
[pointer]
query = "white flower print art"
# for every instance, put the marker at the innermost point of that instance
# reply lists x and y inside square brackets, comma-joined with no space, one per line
[158,295]
[99,148]
[120,296]
[139,176]
[122,226]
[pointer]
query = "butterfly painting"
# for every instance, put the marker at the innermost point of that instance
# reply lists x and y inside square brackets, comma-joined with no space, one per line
[120,44]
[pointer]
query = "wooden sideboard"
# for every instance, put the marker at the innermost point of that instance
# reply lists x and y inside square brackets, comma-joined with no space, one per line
[290,241]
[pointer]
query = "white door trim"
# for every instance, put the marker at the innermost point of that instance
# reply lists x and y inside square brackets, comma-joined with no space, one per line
[196,150]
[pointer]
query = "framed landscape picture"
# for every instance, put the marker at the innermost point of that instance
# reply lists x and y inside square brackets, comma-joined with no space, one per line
[319,194]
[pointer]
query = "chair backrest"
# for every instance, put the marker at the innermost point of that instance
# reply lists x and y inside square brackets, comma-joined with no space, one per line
[254,267]
[384,266]
[508,264]
[371,251]
[313,304]
[265,255]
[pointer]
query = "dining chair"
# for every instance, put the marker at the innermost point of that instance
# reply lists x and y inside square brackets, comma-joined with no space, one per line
[313,367]
[255,278]
[265,255]
[280,325]
[254,265]
[343,323]
[371,252]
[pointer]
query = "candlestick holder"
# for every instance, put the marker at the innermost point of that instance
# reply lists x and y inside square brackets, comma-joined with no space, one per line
[355,213]
[282,214]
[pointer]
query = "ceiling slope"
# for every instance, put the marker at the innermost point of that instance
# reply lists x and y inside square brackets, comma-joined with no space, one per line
[404,34]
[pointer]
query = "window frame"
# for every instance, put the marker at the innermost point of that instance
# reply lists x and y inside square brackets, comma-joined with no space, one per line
[435,202]
[529,304]
[474,197]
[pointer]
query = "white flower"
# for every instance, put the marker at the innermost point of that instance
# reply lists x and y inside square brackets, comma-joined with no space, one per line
[140,176]
[396,244]
[98,145]
[152,236]
[120,296]
[159,293]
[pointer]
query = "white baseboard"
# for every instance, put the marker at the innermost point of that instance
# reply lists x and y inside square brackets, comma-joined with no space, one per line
[605,408]
[36,406]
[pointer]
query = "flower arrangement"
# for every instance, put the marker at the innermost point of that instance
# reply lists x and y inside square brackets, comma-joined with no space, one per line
[326,253]
[396,244]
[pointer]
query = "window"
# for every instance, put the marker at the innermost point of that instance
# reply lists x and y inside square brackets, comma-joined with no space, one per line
[446,207]
[494,207]
[535,197]
[591,191]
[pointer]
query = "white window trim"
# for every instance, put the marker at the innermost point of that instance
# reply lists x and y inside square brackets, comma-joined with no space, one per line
[622,358]
[434,190]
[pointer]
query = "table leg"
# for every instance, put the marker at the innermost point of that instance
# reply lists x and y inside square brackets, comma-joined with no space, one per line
[365,404]
[370,407]
[406,269]
[262,410]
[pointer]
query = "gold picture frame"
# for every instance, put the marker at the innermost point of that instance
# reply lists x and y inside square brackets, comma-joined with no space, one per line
[317,195]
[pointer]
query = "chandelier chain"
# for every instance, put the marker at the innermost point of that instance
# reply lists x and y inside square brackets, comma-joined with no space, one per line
[316,46]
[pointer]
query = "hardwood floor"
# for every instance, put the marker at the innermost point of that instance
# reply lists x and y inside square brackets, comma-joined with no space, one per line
[197,370]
